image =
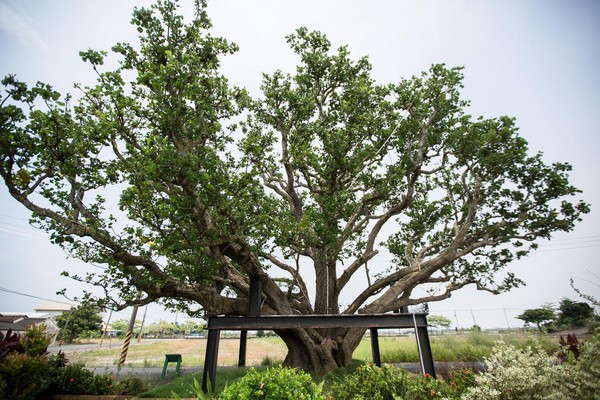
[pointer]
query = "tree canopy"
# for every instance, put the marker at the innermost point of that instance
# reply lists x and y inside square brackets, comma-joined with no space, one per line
[212,186]
[541,317]
[84,317]
[574,314]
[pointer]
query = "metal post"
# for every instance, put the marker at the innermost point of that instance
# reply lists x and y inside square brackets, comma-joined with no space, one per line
[210,359]
[243,341]
[254,297]
[375,347]
[425,355]
[253,311]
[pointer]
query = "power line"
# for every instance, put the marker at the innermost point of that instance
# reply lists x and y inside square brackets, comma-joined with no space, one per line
[568,248]
[13,217]
[32,296]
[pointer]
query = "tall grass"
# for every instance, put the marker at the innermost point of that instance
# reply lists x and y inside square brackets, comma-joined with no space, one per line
[471,346]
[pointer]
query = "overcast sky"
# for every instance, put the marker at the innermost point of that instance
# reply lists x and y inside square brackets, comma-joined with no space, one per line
[535,60]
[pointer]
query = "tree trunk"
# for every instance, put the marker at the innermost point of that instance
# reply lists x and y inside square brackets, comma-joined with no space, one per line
[320,350]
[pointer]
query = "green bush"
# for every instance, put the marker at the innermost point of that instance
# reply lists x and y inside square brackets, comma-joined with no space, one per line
[23,361]
[373,383]
[22,377]
[34,341]
[277,383]
[581,376]
[460,381]
[89,334]
[75,379]
[130,386]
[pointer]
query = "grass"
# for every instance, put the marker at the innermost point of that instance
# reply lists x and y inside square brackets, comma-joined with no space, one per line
[471,346]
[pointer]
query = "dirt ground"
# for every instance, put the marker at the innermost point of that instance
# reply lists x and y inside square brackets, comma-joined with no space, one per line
[151,352]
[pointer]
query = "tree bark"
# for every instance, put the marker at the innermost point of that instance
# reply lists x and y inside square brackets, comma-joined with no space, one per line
[320,350]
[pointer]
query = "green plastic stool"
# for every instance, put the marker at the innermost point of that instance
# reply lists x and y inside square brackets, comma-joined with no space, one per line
[171,358]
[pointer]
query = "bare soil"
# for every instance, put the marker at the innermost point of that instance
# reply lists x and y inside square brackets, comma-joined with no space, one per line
[151,352]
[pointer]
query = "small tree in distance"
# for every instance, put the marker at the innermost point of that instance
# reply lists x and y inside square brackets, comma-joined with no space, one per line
[439,321]
[573,314]
[541,317]
[85,317]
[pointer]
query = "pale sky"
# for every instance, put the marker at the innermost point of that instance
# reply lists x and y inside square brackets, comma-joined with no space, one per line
[534,60]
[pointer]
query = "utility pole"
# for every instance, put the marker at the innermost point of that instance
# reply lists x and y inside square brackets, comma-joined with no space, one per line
[473,315]
[506,318]
[125,347]
[106,327]
[456,318]
[139,338]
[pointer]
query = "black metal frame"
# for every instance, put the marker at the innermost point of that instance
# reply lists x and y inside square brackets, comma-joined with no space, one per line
[372,322]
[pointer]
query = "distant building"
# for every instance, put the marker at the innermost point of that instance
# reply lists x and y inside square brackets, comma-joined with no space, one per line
[54,309]
[109,331]
[19,322]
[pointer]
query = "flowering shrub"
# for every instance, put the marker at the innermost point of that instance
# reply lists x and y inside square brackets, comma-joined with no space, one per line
[581,375]
[75,379]
[515,374]
[531,374]
[276,383]
[427,388]
[460,381]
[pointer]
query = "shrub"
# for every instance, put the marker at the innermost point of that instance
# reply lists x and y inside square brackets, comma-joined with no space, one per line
[427,388]
[581,375]
[130,386]
[23,361]
[90,334]
[515,374]
[9,343]
[34,341]
[373,383]
[22,377]
[277,383]
[460,381]
[75,379]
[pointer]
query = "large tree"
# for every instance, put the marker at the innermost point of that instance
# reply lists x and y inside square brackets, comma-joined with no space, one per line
[319,172]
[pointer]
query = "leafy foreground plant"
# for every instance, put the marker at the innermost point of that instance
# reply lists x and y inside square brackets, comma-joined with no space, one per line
[23,360]
[26,371]
[278,383]
[369,382]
